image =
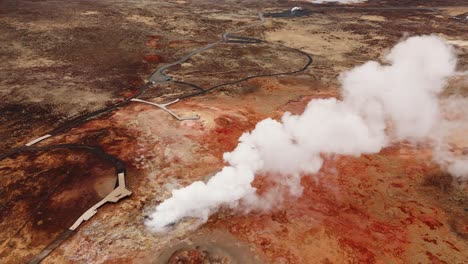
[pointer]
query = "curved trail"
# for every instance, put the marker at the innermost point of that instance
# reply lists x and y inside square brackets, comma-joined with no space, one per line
[376,8]
[118,163]
[158,76]
[120,191]
[308,63]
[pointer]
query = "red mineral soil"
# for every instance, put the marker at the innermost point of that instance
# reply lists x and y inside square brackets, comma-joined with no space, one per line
[153,42]
[153,58]
[373,209]
[392,207]
[396,206]
[43,194]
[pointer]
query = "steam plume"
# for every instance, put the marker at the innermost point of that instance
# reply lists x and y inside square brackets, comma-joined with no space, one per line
[382,103]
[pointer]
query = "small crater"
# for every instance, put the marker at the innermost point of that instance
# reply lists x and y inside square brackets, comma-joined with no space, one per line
[211,247]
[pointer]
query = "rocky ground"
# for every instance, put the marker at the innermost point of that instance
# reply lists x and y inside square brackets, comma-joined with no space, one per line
[63,59]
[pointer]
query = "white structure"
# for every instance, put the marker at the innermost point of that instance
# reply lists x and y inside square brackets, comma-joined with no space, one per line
[296,8]
[118,193]
[164,107]
[37,140]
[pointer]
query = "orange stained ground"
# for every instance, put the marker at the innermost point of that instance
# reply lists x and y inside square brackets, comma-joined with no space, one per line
[392,207]
[375,209]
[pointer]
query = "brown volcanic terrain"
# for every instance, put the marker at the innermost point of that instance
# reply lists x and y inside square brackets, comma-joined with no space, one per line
[63,59]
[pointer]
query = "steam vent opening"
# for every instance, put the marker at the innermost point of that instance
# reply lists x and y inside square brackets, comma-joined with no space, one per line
[211,247]
[189,131]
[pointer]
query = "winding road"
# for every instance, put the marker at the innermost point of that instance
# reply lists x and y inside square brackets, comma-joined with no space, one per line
[121,191]
[159,76]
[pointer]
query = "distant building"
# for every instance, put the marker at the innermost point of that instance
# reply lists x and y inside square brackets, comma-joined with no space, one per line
[296,8]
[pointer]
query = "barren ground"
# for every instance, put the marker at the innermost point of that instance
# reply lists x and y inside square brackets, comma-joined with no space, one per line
[61,59]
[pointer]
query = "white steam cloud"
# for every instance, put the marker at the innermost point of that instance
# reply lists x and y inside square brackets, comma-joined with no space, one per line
[382,103]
